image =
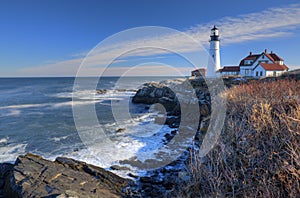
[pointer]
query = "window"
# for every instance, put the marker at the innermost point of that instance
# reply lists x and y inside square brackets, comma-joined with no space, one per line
[246,71]
[256,73]
[248,62]
[261,73]
[274,73]
[263,61]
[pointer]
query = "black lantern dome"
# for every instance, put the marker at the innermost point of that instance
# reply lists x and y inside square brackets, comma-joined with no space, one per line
[214,35]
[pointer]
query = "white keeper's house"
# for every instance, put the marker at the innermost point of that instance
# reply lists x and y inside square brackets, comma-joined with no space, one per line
[257,65]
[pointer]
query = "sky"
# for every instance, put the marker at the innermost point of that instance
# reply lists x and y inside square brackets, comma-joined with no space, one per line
[55,37]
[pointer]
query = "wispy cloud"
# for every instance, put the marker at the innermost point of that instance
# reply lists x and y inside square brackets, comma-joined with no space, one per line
[267,24]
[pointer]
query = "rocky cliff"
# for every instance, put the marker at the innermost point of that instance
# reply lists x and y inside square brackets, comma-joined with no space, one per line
[175,95]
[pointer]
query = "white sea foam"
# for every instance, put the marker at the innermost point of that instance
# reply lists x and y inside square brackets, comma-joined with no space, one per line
[83,94]
[141,140]
[16,112]
[4,140]
[70,103]
[114,95]
[62,95]
[57,139]
[9,112]
[106,157]
[80,98]
[22,106]
[10,152]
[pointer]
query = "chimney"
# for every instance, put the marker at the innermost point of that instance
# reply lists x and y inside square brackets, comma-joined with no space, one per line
[266,51]
[250,53]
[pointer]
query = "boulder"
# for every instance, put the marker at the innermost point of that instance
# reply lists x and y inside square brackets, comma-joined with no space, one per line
[175,94]
[101,91]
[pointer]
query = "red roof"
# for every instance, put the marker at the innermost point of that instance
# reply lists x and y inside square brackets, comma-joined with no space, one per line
[272,56]
[230,69]
[250,57]
[273,67]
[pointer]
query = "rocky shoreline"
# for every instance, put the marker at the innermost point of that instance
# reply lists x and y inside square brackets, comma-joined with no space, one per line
[33,176]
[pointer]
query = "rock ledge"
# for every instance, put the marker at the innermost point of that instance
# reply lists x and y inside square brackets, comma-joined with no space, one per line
[33,176]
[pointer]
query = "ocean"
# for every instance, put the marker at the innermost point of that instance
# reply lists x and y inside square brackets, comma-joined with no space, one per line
[36,116]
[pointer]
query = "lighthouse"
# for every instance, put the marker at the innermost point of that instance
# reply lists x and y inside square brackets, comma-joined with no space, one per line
[214,53]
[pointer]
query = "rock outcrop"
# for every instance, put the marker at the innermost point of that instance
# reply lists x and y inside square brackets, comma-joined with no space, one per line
[176,95]
[33,176]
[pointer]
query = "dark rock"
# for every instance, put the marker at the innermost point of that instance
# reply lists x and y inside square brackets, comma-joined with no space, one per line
[120,130]
[168,137]
[33,176]
[164,94]
[5,168]
[5,172]
[132,175]
[146,179]
[174,132]
[168,185]
[173,121]
[101,91]
[153,93]
[116,167]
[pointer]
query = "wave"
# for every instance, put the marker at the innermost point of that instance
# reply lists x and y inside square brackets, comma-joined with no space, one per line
[92,94]
[71,103]
[4,140]
[84,94]
[22,106]
[139,140]
[10,152]
[57,139]
[10,112]
[46,105]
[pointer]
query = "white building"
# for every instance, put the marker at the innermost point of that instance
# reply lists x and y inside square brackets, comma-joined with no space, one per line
[257,66]
[214,51]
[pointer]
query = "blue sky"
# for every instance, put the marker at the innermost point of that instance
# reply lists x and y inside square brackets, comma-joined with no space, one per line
[51,37]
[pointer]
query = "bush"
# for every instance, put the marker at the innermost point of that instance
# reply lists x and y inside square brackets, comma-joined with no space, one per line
[258,152]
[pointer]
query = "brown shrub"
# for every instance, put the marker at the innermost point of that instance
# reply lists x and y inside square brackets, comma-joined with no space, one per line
[258,152]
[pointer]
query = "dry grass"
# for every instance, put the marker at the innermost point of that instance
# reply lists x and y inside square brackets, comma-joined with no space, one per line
[258,153]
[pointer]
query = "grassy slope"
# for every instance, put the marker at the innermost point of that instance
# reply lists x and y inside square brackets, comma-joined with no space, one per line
[258,153]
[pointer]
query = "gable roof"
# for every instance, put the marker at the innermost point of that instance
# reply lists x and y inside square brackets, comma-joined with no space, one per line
[273,67]
[272,56]
[249,57]
[252,57]
[230,69]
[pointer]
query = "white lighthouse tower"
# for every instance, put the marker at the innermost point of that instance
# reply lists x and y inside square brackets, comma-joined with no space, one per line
[214,53]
